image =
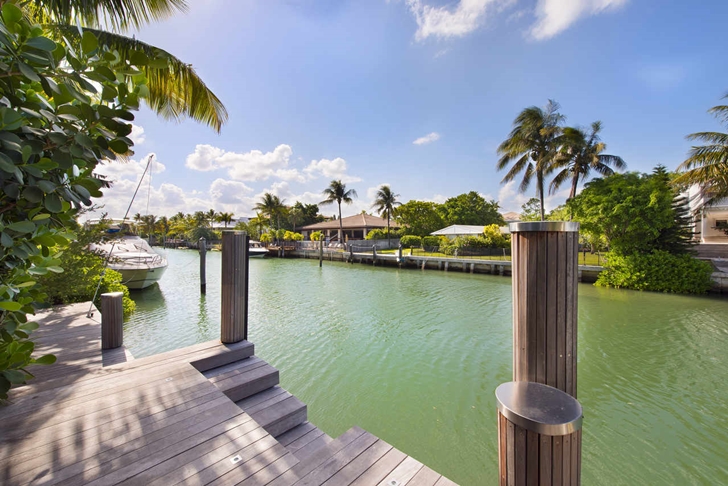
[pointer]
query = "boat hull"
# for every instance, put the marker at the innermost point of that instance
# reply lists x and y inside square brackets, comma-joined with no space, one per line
[257,252]
[139,278]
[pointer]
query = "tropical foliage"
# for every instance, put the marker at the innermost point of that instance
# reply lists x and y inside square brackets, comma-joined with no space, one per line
[470,209]
[658,271]
[173,88]
[410,241]
[532,147]
[338,193]
[707,165]
[634,212]
[579,154]
[272,207]
[419,217]
[384,202]
[64,106]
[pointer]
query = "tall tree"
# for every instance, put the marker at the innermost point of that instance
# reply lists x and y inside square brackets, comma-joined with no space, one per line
[225,218]
[580,153]
[337,193]
[707,165]
[174,88]
[420,218]
[471,208]
[531,210]
[272,207]
[384,202]
[532,146]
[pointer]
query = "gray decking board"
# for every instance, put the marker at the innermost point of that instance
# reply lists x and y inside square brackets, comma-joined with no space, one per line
[105,418]
[338,461]
[379,470]
[426,477]
[356,467]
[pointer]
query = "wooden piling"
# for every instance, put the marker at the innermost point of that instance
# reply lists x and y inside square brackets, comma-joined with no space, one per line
[321,253]
[545,303]
[112,320]
[202,245]
[374,254]
[234,311]
[544,270]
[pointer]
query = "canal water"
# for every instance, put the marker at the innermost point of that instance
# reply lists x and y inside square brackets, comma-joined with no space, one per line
[415,356]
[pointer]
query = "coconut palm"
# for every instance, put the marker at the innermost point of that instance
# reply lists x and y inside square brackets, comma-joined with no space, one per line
[533,144]
[272,207]
[385,201]
[225,218]
[210,217]
[580,153]
[175,90]
[337,193]
[707,165]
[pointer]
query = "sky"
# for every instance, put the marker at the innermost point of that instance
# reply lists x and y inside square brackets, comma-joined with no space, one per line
[416,94]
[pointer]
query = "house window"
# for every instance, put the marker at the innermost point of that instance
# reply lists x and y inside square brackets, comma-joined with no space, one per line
[721,224]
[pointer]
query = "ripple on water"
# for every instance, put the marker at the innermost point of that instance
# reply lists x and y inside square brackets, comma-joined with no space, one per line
[415,357]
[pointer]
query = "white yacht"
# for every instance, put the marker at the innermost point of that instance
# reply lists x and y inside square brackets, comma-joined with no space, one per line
[256,249]
[140,266]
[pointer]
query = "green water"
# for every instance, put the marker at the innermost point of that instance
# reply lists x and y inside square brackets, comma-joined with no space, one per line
[415,356]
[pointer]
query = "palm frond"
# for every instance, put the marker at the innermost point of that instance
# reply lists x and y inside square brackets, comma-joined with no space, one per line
[118,14]
[562,176]
[175,90]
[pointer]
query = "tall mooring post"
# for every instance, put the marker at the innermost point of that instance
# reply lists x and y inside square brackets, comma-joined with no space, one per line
[112,320]
[321,253]
[202,246]
[539,418]
[234,310]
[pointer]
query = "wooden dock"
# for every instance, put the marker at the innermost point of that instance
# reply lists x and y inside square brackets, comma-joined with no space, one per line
[205,414]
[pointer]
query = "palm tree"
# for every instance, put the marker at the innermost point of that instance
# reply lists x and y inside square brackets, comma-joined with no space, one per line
[210,217]
[225,218]
[533,144]
[257,224]
[385,202]
[175,90]
[272,206]
[336,192]
[580,153]
[707,165]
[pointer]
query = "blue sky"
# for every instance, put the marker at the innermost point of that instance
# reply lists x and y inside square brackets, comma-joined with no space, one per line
[416,94]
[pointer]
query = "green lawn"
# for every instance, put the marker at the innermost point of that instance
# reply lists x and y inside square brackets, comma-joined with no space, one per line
[588,259]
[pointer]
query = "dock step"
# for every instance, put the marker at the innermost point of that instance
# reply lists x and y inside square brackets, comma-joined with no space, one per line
[221,354]
[303,440]
[243,378]
[276,410]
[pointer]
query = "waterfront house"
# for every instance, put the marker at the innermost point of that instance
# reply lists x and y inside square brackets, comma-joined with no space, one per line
[710,221]
[355,227]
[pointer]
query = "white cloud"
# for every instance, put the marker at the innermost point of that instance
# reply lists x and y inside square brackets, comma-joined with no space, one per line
[429,138]
[555,16]
[438,198]
[137,134]
[446,22]
[250,166]
[441,53]
[331,169]
[229,192]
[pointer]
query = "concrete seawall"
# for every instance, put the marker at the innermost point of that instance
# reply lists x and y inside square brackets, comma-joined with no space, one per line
[587,273]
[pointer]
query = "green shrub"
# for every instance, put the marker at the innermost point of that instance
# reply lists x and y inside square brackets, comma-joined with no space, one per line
[82,270]
[410,241]
[431,241]
[379,234]
[658,271]
[494,238]
[316,236]
[291,236]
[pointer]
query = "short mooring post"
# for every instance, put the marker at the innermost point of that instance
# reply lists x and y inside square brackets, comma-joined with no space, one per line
[112,320]
[202,245]
[399,254]
[321,253]
[234,309]
[539,418]
[374,254]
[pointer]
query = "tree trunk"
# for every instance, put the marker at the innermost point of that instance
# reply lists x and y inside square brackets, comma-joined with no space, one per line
[574,184]
[540,195]
[341,226]
[389,241]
